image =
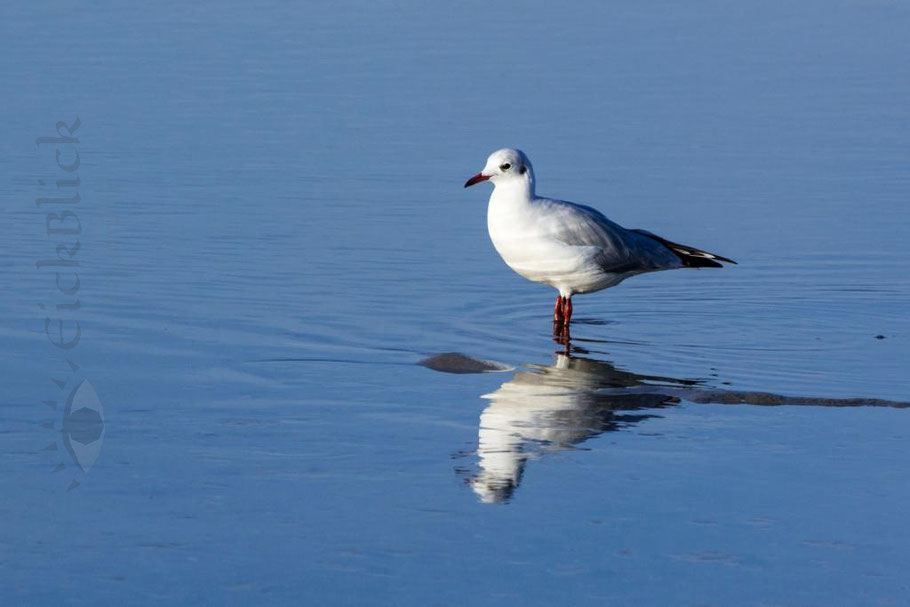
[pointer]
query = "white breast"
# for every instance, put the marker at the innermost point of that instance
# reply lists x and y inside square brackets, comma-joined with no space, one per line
[522,235]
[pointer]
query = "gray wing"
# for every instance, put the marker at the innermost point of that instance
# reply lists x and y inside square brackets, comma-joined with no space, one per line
[621,250]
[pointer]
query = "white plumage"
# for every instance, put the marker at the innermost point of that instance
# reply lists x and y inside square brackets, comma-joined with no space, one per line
[571,247]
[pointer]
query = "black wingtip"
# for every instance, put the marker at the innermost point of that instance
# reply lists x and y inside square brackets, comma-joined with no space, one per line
[696,259]
[690,261]
[689,256]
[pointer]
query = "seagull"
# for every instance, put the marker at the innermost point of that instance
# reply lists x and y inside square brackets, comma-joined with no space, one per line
[571,247]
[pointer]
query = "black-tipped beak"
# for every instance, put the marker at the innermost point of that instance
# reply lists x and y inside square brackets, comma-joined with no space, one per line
[476,179]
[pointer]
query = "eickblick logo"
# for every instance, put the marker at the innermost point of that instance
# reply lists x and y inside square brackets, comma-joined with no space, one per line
[78,425]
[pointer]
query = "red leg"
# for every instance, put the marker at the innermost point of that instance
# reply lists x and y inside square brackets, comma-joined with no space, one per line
[562,315]
[557,311]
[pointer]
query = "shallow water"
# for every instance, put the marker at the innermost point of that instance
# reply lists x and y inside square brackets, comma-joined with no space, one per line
[274,236]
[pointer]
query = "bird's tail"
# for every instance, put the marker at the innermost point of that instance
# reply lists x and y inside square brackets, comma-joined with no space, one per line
[690,256]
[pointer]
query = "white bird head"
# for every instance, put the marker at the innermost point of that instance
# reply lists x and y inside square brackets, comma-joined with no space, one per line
[505,166]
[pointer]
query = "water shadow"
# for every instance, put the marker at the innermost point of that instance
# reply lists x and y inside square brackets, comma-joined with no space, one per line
[547,408]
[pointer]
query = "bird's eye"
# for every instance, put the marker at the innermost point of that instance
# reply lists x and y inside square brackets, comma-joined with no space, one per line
[505,167]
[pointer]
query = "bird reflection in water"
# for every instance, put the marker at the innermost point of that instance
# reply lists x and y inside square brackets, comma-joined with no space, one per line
[547,408]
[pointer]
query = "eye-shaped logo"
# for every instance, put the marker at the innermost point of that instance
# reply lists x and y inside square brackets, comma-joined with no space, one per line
[83,425]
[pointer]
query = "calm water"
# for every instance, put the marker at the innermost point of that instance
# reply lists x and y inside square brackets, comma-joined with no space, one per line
[274,235]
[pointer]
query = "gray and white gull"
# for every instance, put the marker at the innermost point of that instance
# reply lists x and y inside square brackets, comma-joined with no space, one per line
[570,247]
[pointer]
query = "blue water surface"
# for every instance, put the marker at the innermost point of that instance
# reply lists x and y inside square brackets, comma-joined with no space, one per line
[273,234]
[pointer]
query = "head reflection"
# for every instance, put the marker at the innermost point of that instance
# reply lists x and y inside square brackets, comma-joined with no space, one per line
[550,408]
